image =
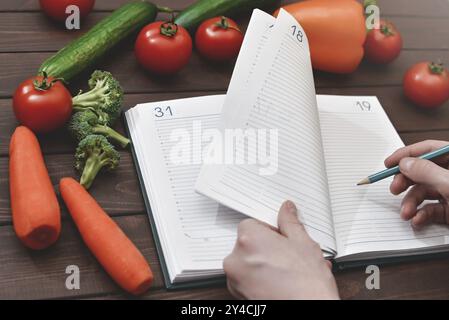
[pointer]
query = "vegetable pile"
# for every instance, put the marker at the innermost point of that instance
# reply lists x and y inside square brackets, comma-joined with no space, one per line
[95,111]
[43,104]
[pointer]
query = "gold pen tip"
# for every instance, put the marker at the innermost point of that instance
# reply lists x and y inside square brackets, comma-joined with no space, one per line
[364,181]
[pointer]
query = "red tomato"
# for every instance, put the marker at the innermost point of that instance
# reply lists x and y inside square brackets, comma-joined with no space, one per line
[383,44]
[219,39]
[163,47]
[56,8]
[427,84]
[42,104]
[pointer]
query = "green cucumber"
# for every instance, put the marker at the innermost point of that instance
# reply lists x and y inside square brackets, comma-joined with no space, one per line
[201,10]
[86,50]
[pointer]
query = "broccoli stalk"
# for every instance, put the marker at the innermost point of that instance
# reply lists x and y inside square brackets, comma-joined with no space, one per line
[93,154]
[111,134]
[104,98]
[86,123]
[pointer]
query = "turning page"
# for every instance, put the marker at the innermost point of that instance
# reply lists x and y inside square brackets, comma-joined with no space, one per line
[357,137]
[270,124]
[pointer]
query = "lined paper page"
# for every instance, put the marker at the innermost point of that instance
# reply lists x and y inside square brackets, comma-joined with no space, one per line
[357,137]
[281,96]
[196,232]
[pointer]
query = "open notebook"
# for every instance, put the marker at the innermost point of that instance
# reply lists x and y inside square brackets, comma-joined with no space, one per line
[325,145]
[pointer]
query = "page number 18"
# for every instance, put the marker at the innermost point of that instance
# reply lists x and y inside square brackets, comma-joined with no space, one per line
[297,33]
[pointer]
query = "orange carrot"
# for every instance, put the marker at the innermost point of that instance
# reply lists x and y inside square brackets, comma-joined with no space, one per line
[35,210]
[112,248]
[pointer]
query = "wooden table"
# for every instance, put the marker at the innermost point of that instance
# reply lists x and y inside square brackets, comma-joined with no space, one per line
[27,38]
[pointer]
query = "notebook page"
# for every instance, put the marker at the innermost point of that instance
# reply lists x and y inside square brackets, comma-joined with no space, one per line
[357,137]
[196,232]
[280,98]
[256,38]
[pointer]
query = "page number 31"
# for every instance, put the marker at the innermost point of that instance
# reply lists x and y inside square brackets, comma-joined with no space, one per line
[161,112]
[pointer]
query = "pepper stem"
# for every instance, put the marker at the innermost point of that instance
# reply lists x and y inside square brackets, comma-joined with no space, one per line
[367,3]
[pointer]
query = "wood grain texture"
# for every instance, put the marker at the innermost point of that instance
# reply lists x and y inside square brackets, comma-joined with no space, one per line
[427,8]
[214,293]
[100,5]
[417,280]
[431,32]
[200,74]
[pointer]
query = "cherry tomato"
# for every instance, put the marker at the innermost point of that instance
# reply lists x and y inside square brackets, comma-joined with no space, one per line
[383,44]
[163,47]
[219,39]
[427,84]
[55,9]
[42,104]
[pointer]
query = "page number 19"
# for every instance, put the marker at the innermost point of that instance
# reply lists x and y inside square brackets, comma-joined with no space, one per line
[364,105]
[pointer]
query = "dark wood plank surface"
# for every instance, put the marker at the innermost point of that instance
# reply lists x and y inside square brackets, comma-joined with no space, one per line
[433,8]
[27,37]
[201,75]
[50,37]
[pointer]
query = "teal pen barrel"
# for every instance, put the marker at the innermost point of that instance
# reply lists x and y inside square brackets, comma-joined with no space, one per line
[384,174]
[395,170]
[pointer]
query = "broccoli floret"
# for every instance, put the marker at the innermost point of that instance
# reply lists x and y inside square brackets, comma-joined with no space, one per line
[87,122]
[94,153]
[104,98]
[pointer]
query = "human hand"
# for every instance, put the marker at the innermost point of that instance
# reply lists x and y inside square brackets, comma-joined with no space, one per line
[278,264]
[428,181]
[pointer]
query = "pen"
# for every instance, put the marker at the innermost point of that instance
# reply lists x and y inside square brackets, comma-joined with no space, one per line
[395,170]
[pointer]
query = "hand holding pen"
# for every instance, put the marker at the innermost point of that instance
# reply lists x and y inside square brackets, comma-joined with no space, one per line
[427,180]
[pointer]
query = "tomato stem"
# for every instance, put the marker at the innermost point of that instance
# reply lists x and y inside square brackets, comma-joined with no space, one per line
[169,29]
[387,29]
[436,68]
[45,85]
